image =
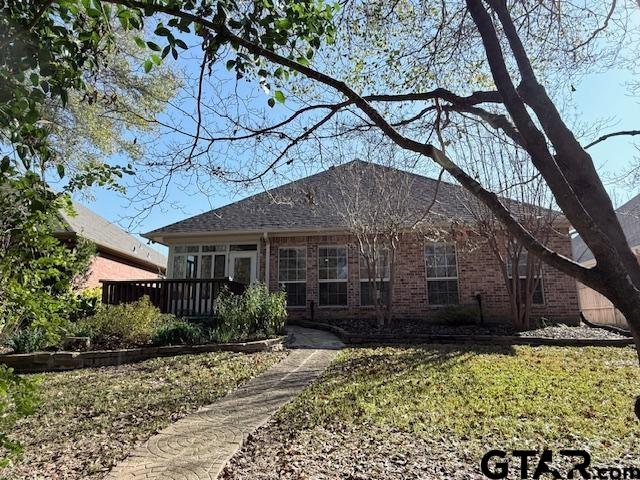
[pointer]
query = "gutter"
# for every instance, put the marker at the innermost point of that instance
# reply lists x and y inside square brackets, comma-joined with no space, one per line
[267,255]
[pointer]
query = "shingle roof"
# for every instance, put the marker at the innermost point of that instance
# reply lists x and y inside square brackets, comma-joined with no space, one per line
[105,234]
[629,218]
[309,204]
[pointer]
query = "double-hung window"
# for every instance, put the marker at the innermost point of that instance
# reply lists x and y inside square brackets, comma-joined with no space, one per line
[332,276]
[442,273]
[523,260]
[381,278]
[292,274]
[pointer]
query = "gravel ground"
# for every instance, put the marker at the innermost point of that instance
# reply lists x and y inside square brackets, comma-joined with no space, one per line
[409,327]
[564,331]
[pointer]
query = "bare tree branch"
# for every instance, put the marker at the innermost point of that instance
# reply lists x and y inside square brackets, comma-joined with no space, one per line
[613,134]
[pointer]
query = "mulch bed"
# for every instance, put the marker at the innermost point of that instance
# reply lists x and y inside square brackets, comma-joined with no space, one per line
[412,327]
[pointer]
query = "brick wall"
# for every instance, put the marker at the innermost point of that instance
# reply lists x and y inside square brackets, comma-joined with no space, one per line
[478,272]
[106,267]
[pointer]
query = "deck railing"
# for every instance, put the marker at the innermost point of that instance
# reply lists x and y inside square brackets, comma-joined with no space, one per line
[182,297]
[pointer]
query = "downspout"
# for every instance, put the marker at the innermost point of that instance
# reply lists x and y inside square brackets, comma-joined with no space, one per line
[267,260]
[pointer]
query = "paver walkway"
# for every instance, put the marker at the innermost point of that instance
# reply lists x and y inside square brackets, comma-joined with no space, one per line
[199,445]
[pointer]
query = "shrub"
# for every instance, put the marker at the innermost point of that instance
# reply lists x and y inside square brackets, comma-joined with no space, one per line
[28,340]
[87,303]
[177,333]
[253,315]
[127,324]
[458,315]
[19,397]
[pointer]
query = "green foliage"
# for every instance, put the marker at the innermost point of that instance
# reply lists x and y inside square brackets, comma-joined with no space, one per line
[50,54]
[457,315]
[28,340]
[177,333]
[254,314]
[124,325]
[18,398]
[87,303]
[37,271]
[114,116]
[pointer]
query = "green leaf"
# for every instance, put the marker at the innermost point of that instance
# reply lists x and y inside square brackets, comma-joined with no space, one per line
[283,23]
[279,96]
[181,44]
[271,102]
[162,31]
[140,42]
[231,64]
[154,46]
[60,169]
[148,65]
[156,59]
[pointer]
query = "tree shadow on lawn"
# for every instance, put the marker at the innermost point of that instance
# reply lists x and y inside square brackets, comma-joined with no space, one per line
[384,379]
[393,359]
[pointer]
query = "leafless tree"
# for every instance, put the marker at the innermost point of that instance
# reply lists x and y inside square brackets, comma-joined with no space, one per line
[377,205]
[507,172]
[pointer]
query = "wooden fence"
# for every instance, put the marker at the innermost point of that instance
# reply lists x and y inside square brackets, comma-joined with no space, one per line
[598,309]
[181,297]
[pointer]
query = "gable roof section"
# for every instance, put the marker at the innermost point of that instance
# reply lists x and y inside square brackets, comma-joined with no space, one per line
[107,236]
[629,218]
[309,204]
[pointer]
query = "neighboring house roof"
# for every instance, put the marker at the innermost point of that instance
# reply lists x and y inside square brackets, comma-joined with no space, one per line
[629,218]
[109,237]
[309,204]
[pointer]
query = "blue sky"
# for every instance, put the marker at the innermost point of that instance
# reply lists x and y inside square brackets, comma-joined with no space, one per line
[597,97]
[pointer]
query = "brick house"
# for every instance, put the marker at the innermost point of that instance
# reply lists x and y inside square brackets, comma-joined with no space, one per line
[119,256]
[291,237]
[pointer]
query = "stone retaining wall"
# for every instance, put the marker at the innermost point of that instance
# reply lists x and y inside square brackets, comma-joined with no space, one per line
[59,361]
[390,339]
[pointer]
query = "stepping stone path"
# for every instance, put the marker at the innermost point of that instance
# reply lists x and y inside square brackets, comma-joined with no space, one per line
[199,445]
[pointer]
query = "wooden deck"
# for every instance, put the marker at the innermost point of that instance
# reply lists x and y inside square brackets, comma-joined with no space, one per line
[181,297]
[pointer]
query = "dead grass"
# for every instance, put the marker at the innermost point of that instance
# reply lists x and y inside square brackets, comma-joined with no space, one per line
[91,418]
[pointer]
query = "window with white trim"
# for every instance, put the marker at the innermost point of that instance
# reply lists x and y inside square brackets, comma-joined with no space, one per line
[199,261]
[523,259]
[442,273]
[292,274]
[382,278]
[332,276]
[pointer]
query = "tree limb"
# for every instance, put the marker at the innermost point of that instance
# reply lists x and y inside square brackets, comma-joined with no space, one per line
[490,199]
[613,134]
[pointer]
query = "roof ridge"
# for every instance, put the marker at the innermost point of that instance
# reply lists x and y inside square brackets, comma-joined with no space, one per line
[331,168]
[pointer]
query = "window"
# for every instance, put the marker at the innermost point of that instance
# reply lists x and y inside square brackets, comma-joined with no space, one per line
[185,264]
[442,274]
[292,274]
[523,259]
[332,275]
[382,277]
[213,266]
[193,261]
[214,248]
[243,248]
